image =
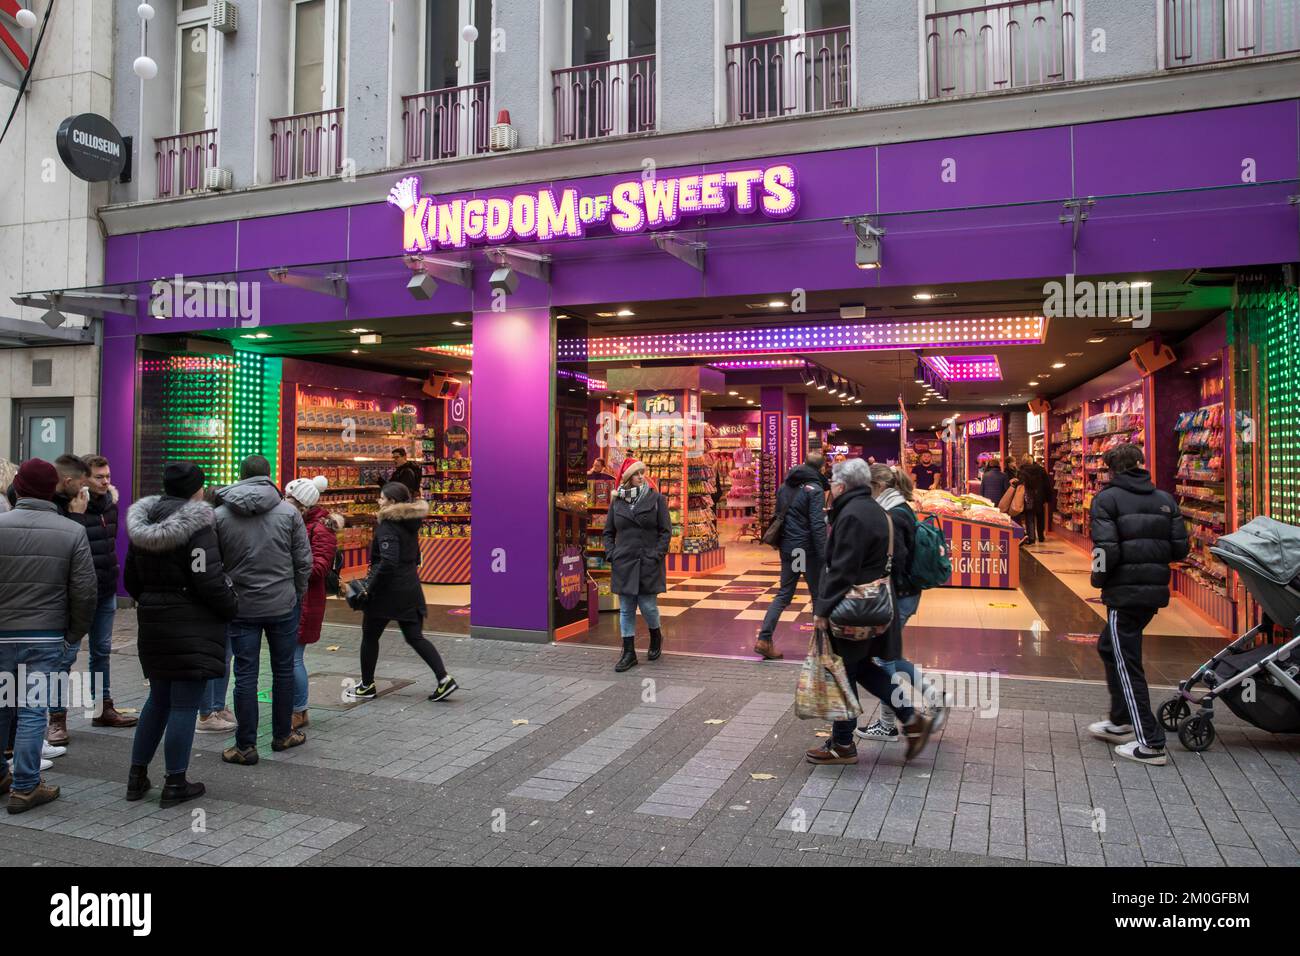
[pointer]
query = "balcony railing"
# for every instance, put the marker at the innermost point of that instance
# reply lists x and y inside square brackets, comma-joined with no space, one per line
[1214,31]
[307,145]
[181,161]
[604,99]
[776,76]
[442,124]
[1000,47]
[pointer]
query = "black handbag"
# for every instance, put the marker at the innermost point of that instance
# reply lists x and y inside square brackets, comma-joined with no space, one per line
[868,607]
[356,594]
[772,533]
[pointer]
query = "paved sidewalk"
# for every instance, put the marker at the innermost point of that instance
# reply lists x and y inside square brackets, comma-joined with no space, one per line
[546,757]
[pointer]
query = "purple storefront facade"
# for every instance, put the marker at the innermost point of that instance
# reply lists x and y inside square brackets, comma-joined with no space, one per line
[1182,191]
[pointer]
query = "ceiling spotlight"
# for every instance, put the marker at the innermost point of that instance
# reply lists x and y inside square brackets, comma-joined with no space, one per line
[733,393]
[504,280]
[1139,284]
[922,296]
[356,351]
[1096,341]
[422,286]
[358,331]
[776,304]
[458,323]
[1032,384]
[1058,365]
[372,339]
[808,377]
[1121,319]
[624,313]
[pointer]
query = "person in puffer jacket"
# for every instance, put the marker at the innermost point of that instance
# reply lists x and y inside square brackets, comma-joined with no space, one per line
[264,545]
[1137,532]
[183,601]
[322,534]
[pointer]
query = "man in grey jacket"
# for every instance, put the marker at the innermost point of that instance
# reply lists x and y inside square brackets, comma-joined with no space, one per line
[48,594]
[265,551]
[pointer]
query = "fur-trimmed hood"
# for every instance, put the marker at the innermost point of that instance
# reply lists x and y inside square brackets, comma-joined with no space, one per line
[404,511]
[160,523]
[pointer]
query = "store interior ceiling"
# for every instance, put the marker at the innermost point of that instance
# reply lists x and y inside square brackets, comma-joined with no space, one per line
[1075,350]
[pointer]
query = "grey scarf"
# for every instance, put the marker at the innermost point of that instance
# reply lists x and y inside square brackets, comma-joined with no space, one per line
[630,493]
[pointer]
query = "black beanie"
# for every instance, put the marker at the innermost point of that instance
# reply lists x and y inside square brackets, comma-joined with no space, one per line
[182,478]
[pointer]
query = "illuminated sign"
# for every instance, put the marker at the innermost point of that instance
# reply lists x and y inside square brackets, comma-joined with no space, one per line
[660,403]
[794,452]
[984,426]
[631,206]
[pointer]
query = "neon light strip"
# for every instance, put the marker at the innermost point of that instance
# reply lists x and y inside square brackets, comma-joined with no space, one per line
[965,368]
[759,363]
[455,351]
[931,333]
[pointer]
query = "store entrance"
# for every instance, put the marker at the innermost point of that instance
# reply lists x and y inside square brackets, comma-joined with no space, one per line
[349,407]
[721,404]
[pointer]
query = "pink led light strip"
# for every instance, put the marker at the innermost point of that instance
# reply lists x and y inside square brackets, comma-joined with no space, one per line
[965,368]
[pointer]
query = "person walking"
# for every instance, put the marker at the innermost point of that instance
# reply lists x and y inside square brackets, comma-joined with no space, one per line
[638,530]
[407,472]
[183,603]
[95,509]
[391,591]
[858,552]
[322,535]
[803,542]
[1034,478]
[892,489]
[994,482]
[264,547]
[1137,532]
[47,597]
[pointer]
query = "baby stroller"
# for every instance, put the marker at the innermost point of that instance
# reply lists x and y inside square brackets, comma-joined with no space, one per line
[1256,679]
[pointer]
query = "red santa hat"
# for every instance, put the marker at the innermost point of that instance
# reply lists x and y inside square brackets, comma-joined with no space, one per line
[629,468]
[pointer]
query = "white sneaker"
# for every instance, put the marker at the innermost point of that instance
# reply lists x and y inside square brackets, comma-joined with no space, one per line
[45,765]
[49,751]
[1135,751]
[1111,733]
[214,723]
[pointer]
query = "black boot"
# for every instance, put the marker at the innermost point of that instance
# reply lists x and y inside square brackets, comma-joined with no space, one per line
[656,644]
[628,660]
[177,790]
[137,782]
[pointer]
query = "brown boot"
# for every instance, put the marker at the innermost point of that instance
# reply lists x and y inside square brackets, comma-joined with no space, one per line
[917,732]
[300,719]
[109,717]
[20,802]
[767,651]
[58,730]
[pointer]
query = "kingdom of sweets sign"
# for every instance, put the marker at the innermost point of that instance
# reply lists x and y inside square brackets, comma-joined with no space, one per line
[632,206]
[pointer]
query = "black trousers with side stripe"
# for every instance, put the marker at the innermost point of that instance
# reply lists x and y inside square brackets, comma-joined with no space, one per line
[1120,647]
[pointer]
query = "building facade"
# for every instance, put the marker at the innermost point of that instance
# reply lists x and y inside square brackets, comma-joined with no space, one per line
[50,236]
[341,150]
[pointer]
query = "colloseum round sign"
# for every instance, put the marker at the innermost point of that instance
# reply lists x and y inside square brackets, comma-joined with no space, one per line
[91,147]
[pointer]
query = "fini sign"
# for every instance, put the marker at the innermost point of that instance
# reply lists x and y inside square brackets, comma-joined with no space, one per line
[632,206]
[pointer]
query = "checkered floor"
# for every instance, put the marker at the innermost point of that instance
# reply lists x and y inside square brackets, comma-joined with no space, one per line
[747,594]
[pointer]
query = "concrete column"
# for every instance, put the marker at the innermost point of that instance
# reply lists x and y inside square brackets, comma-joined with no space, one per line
[688,43]
[887,51]
[521,80]
[512,505]
[239,135]
[367,118]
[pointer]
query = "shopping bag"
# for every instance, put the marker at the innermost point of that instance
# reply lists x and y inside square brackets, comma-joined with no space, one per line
[824,691]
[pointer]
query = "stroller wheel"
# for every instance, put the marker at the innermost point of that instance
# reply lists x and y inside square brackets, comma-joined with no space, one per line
[1196,732]
[1172,713]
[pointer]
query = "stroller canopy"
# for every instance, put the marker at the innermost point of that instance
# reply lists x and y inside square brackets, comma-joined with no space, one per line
[1269,547]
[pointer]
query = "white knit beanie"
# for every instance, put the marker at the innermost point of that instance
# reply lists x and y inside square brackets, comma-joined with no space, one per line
[306,491]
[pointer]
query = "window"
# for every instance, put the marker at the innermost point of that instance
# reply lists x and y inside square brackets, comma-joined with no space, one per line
[609,86]
[790,56]
[448,60]
[196,71]
[318,72]
[604,30]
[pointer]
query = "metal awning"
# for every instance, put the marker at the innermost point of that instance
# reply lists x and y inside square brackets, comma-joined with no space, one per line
[19,333]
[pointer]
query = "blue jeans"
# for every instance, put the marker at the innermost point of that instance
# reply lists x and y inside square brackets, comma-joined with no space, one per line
[171,708]
[246,641]
[214,692]
[101,646]
[627,605]
[40,660]
[789,581]
[300,682]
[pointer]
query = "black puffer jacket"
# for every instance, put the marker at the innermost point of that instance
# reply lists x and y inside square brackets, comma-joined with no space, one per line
[805,518]
[394,579]
[174,572]
[100,521]
[857,551]
[1139,531]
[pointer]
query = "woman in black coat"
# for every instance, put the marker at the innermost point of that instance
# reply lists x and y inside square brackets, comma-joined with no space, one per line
[392,590]
[857,552]
[638,529]
[183,600]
